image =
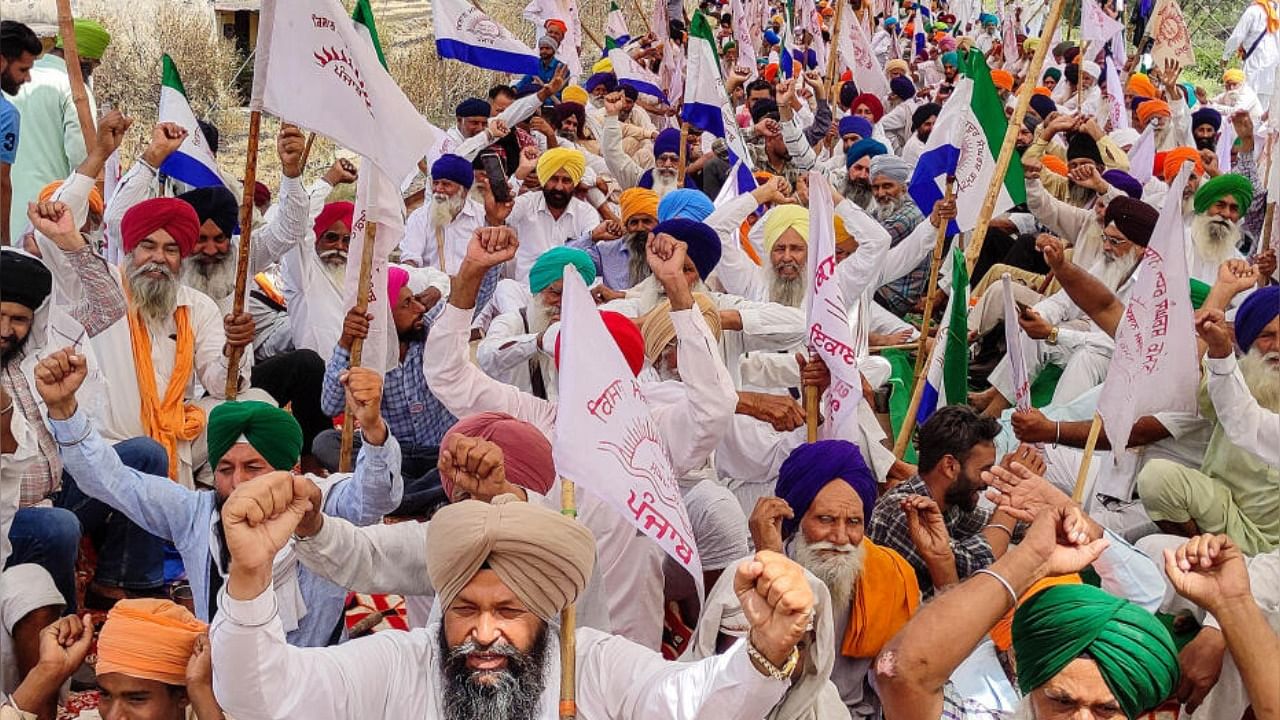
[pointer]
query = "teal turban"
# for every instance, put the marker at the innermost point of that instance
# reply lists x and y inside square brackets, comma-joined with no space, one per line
[271,431]
[1238,186]
[549,267]
[951,58]
[1133,650]
[91,39]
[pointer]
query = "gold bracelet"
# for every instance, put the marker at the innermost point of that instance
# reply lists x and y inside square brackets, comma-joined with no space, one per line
[775,672]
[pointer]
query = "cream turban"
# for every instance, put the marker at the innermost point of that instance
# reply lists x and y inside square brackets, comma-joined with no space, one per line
[783,218]
[542,556]
[552,161]
[659,331]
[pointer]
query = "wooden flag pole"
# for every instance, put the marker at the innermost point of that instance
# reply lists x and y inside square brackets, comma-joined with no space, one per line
[684,153]
[1084,48]
[357,344]
[79,95]
[592,36]
[306,150]
[242,256]
[1077,495]
[1011,134]
[832,55]
[643,18]
[812,410]
[934,267]
[568,624]
[909,422]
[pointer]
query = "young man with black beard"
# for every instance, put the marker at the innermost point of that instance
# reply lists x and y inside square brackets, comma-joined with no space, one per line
[18,52]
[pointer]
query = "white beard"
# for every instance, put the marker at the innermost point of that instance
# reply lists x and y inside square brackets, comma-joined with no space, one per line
[663,183]
[539,314]
[1114,271]
[883,211]
[154,298]
[1262,376]
[217,280]
[837,571]
[1214,238]
[444,209]
[1025,710]
[337,271]
[782,291]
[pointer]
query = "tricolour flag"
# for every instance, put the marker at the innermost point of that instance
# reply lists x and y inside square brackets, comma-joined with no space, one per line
[1154,367]
[315,68]
[827,314]
[855,52]
[193,162]
[616,33]
[1013,345]
[606,440]
[706,106]
[630,72]
[947,380]
[363,15]
[964,141]
[466,34]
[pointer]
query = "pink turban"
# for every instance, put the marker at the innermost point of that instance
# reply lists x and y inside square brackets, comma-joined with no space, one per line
[526,451]
[332,213]
[397,278]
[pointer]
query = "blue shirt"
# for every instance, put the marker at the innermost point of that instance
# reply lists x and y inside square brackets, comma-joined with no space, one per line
[170,511]
[9,122]
[612,259]
[409,408]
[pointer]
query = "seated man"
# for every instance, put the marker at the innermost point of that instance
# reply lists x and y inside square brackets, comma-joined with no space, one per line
[245,439]
[504,571]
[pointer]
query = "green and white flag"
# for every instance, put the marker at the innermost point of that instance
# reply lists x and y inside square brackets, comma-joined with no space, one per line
[615,28]
[192,163]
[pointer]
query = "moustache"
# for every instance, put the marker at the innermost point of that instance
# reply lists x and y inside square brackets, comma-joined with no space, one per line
[154,267]
[339,254]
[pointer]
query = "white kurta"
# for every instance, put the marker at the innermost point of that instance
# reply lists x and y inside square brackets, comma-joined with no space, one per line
[539,231]
[420,246]
[1260,68]
[509,347]
[1247,424]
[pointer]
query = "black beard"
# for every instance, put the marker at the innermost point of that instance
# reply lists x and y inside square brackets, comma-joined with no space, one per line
[13,349]
[1206,143]
[9,86]
[960,494]
[557,199]
[515,693]
[417,333]
[924,136]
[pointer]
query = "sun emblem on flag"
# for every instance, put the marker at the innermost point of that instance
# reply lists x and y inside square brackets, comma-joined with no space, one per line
[643,456]
[480,26]
[346,70]
[972,156]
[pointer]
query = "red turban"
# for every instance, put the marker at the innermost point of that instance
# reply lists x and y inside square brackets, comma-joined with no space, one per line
[556,23]
[1174,159]
[261,194]
[626,334]
[172,215]
[872,102]
[332,213]
[526,451]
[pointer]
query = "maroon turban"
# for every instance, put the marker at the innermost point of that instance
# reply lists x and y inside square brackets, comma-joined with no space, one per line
[625,334]
[172,215]
[872,102]
[332,213]
[526,451]
[261,194]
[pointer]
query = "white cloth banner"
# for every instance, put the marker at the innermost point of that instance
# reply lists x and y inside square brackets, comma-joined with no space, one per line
[1097,27]
[605,439]
[828,319]
[1117,112]
[378,200]
[855,53]
[313,68]
[1013,345]
[1154,367]
[1172,40]
[1142,156]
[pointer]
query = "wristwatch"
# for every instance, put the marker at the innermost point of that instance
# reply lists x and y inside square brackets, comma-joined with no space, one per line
[1053,336]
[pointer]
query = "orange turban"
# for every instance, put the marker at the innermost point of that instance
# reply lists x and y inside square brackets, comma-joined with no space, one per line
[771,72]
[638,201]
[762,176]
[1174,158]
[1042,90]
[1054,164]
[150,639]
[1151,108]
[1002,633]
[1141,85]
[1003,79]
[96,206]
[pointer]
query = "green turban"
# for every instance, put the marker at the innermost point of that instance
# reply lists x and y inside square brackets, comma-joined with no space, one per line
[1133,650]
[549,267]
[1238,186]
[1199,293]
[271,431]
[91,39]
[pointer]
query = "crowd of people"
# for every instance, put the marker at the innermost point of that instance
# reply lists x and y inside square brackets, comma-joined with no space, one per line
[178,498]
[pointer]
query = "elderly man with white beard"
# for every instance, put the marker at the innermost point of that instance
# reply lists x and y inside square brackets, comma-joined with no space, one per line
[824,494]
[1062,332]
[662,178]
[1233,490]
[897,212]
[447,221]
[1215,231]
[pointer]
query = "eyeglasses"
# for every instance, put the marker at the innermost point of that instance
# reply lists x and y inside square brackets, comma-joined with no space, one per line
[333,237]
[1114,241]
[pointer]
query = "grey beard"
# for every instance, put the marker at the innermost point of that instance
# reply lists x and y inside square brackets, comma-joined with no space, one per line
[860,194]
[514,692]
[155,299]
[538,313]
[789,293]
[1262,377]
[1116,271]
[663,183]
[217,280]
[637,264]
[1214,238]
[837,572]
[444,209]
[882,212]
[1080,196]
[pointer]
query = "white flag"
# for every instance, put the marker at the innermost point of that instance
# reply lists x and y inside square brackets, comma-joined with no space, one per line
[314,69]
[1013,346]
[855,53]
[1226,140]
[1116,109]
[1097,27]
[1172,40]
[1142,156]
[1154,368]
[828,318]
[605,438]
[378,200]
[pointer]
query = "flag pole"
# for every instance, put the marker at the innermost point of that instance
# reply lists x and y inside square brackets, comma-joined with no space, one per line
[306,150]
[1011,134]
[357,345]
[1077,495]
[684,153]
[909,422]
[812,409]
[79,96]
[568,623]
[592,36]
[934,267]
[635,4]
[1084,48]
[242,256]
[832,55]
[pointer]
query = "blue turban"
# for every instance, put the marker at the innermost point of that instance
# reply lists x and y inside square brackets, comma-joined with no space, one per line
[987,18]
[668,141]
[1260,308]
[866,147]
[889,21]
[1124,182]
[472,107]
[453,168]
[857,125]
[685,203]
[1136,101]
[1043,105]
[549,267]
[902,87]
[811,467]
[1206,116]
[771,37]
[952,58]
[703,242]
[608,79]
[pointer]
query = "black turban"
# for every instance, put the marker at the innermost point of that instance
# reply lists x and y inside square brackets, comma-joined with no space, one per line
[24,279]
[923,113]
[1083,147]
[214,203]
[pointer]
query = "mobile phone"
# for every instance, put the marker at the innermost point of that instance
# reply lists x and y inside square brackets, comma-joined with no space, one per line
[497,174]
[1023,308]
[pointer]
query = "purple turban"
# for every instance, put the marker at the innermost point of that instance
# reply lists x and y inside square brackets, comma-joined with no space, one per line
[1255,313]
[1124,182]
[668,141]
[809,468]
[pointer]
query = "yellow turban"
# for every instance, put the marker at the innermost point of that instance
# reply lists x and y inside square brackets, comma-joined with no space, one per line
[554,160]
[658,329]
[783,218]
[1031,44]
[542,556]
[605,65]
[149,639]
[842,233]
[574,93]
[897,64]
[638,201]
[1233,75]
